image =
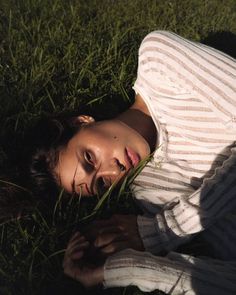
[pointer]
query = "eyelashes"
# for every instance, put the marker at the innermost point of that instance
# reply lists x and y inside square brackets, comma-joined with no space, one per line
[121,166]
[89,157]
[101,183]
[98,184]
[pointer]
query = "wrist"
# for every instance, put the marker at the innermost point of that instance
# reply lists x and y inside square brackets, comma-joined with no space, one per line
[99,275]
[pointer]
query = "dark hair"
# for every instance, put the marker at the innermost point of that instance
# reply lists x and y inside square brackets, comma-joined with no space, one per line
[42,144]
[26,174]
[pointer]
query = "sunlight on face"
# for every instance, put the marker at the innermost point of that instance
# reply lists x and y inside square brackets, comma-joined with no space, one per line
[98,155]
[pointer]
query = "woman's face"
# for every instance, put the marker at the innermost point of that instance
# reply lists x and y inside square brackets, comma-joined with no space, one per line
[98,155]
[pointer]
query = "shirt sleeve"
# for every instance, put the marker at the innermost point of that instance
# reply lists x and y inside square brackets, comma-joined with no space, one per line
[171,65]
[191,214]
[173,274]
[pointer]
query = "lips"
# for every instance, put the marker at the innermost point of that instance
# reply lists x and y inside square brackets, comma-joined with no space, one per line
[132,157]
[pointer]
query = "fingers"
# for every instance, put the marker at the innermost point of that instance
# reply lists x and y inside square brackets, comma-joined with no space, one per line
[114,247]
[75,236]
[75,240]
[97,227]
[76,246]
[108,235]
[78,250]
[81,269]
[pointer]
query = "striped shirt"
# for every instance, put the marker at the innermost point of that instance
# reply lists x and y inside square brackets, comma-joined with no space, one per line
[190,185]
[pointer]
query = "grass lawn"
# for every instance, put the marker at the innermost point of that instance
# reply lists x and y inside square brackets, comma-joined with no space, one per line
[60,55]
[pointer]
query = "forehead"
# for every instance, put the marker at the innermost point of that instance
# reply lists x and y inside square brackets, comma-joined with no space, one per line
[71,172]
[70,169]
[103,130]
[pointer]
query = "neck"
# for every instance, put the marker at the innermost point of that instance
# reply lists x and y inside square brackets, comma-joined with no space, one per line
[138,118]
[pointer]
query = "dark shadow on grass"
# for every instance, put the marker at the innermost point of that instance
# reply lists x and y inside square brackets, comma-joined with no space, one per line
[113,105]
[223,40]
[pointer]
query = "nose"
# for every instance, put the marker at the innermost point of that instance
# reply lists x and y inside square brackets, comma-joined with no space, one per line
[110,172]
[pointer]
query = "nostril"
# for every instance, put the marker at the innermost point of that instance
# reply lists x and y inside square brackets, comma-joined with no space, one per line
[101,185]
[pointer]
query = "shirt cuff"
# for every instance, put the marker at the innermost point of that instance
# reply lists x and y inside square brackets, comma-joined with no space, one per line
[157,237]
[154,239]
[147,272]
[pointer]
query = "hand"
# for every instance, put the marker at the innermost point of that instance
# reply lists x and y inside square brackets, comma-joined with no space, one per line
[77,266]
[115,234]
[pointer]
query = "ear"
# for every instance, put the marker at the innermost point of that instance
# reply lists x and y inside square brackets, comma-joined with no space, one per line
[82,119]
[85,119]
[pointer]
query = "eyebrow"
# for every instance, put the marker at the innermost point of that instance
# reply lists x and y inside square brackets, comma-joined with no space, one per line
[73,180]
[85,167]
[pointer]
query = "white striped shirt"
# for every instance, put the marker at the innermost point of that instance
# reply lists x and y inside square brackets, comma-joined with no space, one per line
[190,185]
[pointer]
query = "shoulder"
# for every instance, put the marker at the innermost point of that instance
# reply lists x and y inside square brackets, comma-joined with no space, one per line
[160,34]
[162,46]
[160,39]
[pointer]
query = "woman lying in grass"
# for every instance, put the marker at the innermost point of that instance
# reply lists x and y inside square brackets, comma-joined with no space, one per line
[185,114]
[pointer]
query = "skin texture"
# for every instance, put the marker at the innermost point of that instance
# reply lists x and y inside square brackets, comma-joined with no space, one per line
[106,142]
[76,265]
[114,234]
[103,239]
[96,156]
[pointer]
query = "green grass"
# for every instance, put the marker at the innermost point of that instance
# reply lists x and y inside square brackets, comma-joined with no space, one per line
[60,55]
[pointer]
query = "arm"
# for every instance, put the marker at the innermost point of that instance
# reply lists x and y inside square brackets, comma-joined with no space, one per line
[194,213]
[174,274]
[176,222]
[171,66]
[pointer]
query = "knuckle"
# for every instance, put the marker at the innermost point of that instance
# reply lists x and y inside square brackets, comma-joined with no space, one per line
[111,248]
[98,241]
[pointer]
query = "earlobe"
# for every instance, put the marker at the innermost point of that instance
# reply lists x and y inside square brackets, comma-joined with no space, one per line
[83,119]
